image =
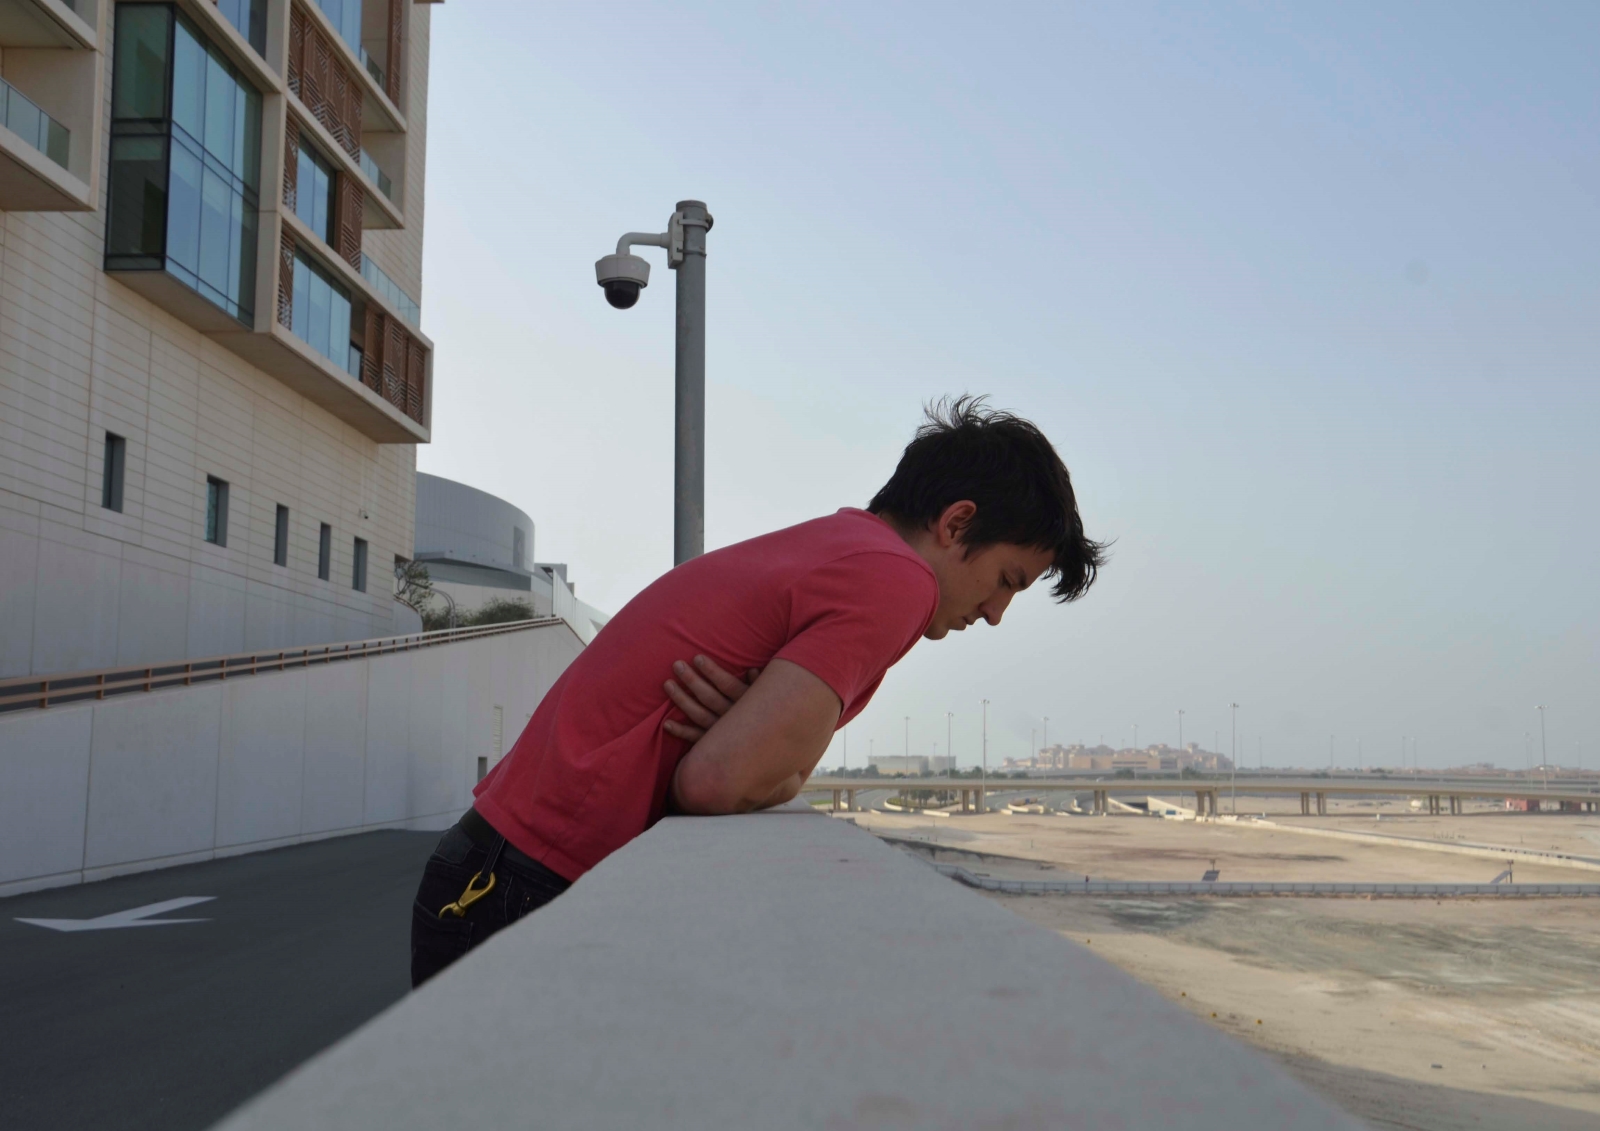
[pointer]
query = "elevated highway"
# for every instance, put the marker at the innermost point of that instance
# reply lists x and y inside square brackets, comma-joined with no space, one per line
[1442,794]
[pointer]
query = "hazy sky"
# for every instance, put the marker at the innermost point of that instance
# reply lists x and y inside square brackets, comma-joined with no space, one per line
[1305,295]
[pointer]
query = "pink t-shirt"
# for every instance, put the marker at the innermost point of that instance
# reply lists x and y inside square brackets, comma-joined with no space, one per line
[842,596]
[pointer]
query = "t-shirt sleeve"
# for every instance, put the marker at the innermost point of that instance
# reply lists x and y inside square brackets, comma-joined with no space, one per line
[852,618]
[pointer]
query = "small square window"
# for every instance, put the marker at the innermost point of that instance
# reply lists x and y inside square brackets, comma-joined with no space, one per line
[216,511]
[358,571]
[111,473]
[280,538]
[325,552]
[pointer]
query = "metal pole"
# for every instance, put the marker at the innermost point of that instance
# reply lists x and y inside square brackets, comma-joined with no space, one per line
[983,777]
[1544,755]
[949,750]
[689,451]
[1180,728]
[1233,757]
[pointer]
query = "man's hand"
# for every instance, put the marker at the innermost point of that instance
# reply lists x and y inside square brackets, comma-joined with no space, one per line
[705,694]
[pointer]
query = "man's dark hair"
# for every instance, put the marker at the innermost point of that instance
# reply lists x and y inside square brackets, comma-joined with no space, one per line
[1004,464]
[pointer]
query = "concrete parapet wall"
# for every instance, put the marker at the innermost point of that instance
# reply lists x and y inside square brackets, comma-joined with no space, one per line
[145,781]
[782,970]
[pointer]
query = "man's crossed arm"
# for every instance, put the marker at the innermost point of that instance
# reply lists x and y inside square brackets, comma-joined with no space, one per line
[754,744]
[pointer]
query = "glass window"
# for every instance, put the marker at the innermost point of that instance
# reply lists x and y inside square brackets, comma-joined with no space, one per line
[183,188]
[139,86]
[280,537]
[219,113]
[216,511]
[111,474]
[358,575]
[189,85]
[321,312]
[324,551]
[138,214]
[250,17]
[313,195]
[344,15]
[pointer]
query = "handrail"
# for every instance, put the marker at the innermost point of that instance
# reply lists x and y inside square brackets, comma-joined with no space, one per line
[1262,887]
[65,687]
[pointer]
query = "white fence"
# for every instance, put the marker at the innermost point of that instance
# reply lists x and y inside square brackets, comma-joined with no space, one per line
[152,779]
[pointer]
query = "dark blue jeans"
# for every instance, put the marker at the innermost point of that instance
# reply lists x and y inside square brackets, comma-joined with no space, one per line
[520,886]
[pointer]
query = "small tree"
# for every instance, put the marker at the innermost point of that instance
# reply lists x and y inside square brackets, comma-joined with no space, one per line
[500,610]
[412,586]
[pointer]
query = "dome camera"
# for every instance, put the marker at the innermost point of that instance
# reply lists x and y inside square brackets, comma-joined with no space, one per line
[623,277]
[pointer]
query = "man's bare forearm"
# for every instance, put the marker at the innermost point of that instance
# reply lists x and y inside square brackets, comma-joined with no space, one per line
[759,753]
[786,792]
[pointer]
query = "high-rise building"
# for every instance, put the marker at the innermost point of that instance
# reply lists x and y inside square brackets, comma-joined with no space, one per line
[212,374]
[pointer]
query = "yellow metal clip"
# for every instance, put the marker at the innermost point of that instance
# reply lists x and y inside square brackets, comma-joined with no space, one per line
[468,897]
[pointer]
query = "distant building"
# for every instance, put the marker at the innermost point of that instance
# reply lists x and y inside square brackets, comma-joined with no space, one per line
[479,548]
[914,766]
[1159,758]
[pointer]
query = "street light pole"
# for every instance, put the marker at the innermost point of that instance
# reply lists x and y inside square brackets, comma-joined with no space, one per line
[949,750]
[1233,757]
[1544,755]
[1046,742]
[983,776]
[1180,728]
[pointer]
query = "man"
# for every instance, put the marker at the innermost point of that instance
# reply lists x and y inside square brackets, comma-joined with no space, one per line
[649,719]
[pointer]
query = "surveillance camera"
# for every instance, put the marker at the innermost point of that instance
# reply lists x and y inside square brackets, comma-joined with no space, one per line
[623,277]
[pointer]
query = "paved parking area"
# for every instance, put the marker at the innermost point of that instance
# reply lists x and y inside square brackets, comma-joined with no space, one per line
[173,1026]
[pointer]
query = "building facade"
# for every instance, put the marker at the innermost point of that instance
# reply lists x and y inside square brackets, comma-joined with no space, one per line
[212,374]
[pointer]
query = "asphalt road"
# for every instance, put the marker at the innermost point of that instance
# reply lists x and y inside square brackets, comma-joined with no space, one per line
[173,1026]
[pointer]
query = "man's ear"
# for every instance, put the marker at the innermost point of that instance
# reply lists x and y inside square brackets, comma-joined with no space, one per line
[951,526]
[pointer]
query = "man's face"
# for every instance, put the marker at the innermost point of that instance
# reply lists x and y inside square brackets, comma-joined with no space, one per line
[979,586]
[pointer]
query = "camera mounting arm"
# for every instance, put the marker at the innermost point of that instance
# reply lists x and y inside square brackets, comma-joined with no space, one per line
[671,239]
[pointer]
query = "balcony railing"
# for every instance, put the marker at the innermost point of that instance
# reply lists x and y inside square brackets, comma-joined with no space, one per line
[21,116]
[389,289]
[376,175]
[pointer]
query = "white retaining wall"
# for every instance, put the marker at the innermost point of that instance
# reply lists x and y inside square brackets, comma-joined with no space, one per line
[151,780]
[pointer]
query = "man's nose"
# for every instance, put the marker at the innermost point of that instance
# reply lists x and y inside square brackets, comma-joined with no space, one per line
[995,607]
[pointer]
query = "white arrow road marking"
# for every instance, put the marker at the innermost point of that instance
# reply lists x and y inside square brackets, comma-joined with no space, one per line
[135,917]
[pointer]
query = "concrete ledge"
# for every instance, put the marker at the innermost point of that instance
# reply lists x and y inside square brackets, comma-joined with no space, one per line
[782,970]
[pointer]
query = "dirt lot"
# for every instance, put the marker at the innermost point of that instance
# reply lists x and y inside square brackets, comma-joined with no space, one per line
[1410,1013]
[1144,848]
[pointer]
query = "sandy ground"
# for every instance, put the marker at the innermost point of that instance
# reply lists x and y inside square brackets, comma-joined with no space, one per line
[1409,1013]
[1145,848]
